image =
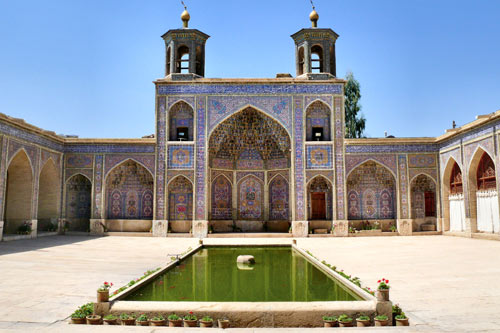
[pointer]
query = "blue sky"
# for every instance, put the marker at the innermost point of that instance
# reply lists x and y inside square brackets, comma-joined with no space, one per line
[86,67]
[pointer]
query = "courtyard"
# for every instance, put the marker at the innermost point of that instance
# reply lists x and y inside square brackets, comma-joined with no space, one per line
[443,283]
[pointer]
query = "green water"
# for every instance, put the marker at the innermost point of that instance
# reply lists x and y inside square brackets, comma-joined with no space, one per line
[279,275]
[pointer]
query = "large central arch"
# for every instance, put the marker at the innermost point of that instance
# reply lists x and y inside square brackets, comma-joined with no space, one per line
[252,151]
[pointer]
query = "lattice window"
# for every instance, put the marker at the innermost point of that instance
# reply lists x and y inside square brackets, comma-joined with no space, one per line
[456,186]
[486,179]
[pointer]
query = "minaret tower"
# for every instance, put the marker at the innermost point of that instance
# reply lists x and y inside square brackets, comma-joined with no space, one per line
[315,50]
[185,50]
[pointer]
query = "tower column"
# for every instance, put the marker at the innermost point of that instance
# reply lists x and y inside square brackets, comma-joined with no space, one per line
[307,57]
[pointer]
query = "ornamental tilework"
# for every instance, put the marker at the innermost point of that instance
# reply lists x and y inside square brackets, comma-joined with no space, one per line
[78,197]
[241,175]
[429,148]
[318,116]
[98,186]
[129,192]
[279,199]
[319,157]
[171,174]
[311,174]
[339,157]
[112,161]
[180,156]
[320,185]
[105,148]
[186,99]
[221,107]
[422,161]
[420,186]
[327,99]
[222,207]
[445,159]
[30,137]
[181,116]
[222,163]
[299,161]
[429,172]
[31,151]
[79,161]
[352,161]
[160,163]
[36,187]
[486,144]
[216,173]
[71,172]
[403,186]
[180,199]
[250,199]
[56,157]
[235,89]
[283,173]
[200,160]
[371,192]
[3,172]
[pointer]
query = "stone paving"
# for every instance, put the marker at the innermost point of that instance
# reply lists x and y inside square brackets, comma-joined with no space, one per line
[443,283]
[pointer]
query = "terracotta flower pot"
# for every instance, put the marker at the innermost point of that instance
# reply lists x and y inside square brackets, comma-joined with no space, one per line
[190,323]
[382,295]
[78,321]
[94,320]
[345,323]
[402,322]
[111,321]
[158,322]
[143,322]
[381,322]
[334,323]
[223,323]
[175,323]
[102,296]
[209,323]
[363,323]
[128,322]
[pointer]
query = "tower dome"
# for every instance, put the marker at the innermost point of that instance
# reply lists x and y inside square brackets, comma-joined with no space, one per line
[314,18]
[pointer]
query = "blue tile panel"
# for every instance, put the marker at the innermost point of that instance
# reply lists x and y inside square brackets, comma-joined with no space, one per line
[180,156]
[391,148]
[206,89]
[319,157]
[109,148]
[30,137]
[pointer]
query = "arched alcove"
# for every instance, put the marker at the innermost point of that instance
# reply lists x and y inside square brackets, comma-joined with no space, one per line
[18,195]
[319,195]
[129,192]
[279,195]
[453,197]
[317,59]
[180,204]
[49,197]
[78,202]
[371,192]
[251,199]
[318,122]
[423,200]
[222,199]
[181,122]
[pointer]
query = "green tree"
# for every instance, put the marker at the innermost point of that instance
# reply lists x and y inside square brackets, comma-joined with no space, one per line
[354,123]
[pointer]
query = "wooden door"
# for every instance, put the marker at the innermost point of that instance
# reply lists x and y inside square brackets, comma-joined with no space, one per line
[430,204]
[318,206]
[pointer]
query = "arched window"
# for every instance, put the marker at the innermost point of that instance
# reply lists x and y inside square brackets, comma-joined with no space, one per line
[181,122]
[168,60]
[318,122]
[316,59]
[456,186]
[301,60]
[200,70]
[183,59]
[486,173]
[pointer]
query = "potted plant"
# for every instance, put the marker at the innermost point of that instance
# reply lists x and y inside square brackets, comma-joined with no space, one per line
[381,320]
[174,320]
[103,292]
[142,320]
[393,228]
[223,323]
[93,319]
[158,321]
[206,321]
[345,321]
[190,320]
[127,319]
[330,321]
[402,320]
[396,310]
[78,317]
[383,290]
[110,319]
[363,321]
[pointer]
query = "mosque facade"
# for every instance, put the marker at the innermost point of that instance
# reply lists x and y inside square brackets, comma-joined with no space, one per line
[249,155]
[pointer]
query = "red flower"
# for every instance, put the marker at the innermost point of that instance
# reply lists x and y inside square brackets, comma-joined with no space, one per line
[386,281]
[190,312]
[378,281]
[105,283]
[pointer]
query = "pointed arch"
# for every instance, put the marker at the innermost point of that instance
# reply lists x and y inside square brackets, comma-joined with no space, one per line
[355,166]
[19,192]
[128,191]
[279,198]
[423,197]
[317,99]
[452,197]
[318,121]
[181,121]
[78,202]
[319,198]
[371,192]
[482,192]
[180,194]
[49,196]
[22,151]
[128,159]
[221,198]
[250,198]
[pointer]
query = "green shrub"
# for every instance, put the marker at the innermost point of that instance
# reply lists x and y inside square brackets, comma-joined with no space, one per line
[363,318]
[207,318]
[345,318]
[142,317]
[381,317]
[159,317]
[110,317]
[401,316]
[330,318]
[173,316]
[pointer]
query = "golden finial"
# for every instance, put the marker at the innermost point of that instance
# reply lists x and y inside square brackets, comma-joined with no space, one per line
[185,16]
[314,16]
